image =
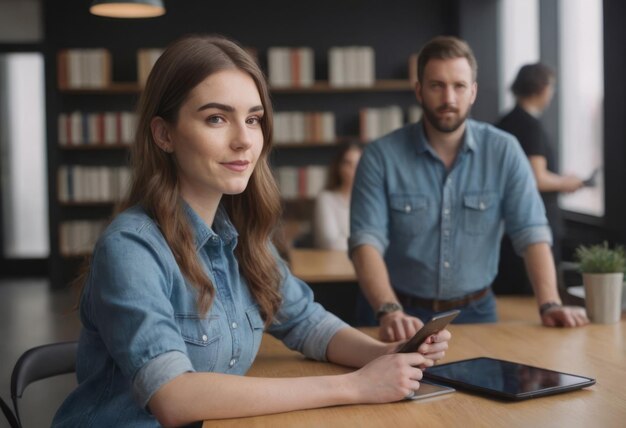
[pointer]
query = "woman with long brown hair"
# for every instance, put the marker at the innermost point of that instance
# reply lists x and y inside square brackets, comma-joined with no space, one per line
[185,279]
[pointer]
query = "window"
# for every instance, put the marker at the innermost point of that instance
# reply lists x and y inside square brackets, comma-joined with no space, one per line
[581,98]
[23,156]
[519,35]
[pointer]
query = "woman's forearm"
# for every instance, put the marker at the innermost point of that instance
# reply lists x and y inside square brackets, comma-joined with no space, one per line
[350,347]
[198,396]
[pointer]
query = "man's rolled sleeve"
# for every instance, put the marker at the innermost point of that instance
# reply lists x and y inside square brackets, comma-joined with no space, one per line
[368,204]
[376,240]
[531,235]
[156,373]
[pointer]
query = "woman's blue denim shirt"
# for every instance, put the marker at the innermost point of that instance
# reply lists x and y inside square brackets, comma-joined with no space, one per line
[141,326]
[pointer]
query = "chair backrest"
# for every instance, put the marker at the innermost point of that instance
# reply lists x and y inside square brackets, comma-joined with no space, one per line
[8,414]
[39,363]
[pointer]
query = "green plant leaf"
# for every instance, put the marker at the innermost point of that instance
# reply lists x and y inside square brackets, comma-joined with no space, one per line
[600,258]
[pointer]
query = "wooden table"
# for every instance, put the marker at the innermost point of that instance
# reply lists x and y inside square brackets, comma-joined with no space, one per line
[331,276]
[598,351]
[318,266]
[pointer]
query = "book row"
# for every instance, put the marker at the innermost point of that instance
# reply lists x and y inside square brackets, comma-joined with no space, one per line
[112,127]
[84,68]
[300,127]
[295,67]
[376,122]
[290,67]
[77,183]
[350,66]
[301,182]
[78,237]
[92,68]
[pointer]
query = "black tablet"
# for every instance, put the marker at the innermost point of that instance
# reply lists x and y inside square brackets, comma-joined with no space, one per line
[505,379]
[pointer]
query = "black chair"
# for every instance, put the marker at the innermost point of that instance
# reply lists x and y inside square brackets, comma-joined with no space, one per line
[39,363]
[8,414]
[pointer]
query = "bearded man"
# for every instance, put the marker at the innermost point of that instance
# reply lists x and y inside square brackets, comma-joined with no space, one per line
[430,203]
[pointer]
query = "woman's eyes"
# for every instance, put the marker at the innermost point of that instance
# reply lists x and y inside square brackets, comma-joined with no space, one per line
[254,120]
[215,120]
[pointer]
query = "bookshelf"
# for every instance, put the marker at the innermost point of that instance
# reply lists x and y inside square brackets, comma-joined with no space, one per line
[80,221]
[400,30]
[113,88]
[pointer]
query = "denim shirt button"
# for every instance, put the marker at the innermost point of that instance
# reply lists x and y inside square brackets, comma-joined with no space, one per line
[407,208]
[482,205]
[234,325]
[205,337]
[232,362]
[446,264]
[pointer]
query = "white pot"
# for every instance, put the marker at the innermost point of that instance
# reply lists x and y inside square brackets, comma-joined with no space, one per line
[603,296]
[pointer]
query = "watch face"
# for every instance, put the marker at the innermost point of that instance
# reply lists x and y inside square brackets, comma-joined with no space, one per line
[388,308]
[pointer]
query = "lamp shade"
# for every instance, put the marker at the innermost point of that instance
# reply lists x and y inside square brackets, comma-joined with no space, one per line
[127,8]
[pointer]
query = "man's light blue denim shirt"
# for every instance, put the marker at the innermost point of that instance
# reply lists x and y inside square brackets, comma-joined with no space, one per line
[439,231]
[141,326]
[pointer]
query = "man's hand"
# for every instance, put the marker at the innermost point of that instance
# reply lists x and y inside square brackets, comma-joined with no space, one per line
[397,325]
[565,316]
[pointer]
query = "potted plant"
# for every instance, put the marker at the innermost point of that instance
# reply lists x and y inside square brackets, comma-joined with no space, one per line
[603,274]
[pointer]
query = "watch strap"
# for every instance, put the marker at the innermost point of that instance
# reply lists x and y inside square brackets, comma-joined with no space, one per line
[387,308]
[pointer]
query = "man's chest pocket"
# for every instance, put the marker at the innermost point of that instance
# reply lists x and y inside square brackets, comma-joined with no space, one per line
[480,212]
[202,338]
[408,214]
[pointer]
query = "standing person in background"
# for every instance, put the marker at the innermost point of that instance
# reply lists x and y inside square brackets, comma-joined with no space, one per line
[429,201]
[184,281]
[533,89]
[331,219]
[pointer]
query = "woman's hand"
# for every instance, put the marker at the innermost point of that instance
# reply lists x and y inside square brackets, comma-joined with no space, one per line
[389,378]
[435,346]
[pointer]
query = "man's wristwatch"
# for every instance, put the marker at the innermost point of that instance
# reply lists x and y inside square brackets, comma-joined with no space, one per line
[387,308]
[547,306]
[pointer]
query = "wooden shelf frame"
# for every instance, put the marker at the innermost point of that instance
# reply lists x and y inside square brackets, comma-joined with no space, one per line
[321,86]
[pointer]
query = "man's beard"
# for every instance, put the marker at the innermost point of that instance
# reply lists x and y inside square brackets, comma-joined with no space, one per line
[443,125]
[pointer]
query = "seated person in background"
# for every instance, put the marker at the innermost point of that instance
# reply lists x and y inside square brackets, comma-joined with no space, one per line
[533,89]
[184,281]
[429,202]
[331,218]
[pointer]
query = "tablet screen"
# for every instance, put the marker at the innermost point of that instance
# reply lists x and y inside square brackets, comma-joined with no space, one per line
[505,379]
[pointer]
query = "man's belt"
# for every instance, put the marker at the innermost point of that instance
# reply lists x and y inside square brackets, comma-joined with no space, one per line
[441,305]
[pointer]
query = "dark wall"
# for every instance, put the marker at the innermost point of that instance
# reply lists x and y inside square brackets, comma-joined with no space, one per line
[394,29]
[478,26]
[549,52]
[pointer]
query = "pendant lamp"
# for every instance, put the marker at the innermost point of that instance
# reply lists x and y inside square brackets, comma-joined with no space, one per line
[127,8]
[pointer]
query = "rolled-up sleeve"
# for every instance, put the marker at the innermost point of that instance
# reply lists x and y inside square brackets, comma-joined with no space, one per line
[302,324]
[524,212]
[156,373]
[127,302]
[369,215]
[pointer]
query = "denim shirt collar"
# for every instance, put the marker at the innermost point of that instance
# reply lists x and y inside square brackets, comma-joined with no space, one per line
[222,227]
[423,146]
